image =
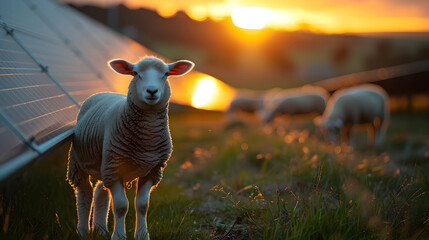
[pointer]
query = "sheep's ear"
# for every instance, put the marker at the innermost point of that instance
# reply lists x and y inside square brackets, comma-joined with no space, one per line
[180,67]
[122,66]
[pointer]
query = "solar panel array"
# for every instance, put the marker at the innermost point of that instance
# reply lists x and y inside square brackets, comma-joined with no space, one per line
[51,59]
[377,75]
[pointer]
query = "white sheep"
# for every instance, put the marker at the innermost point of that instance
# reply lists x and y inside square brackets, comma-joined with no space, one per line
[296,101]
[119,138]
[361,105]
[246,101]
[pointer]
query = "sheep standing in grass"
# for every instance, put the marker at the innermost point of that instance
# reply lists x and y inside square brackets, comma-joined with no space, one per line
[296,101]
[246,101]
[119,138]
[361,105]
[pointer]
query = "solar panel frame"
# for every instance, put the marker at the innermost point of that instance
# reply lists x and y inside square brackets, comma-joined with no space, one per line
[12,145]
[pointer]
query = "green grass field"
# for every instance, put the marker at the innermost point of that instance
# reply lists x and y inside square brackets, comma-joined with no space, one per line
[244,181]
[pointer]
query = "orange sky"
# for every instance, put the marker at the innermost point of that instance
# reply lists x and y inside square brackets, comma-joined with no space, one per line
[332,16]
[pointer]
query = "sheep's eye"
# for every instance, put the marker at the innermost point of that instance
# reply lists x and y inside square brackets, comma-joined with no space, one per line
[136,74]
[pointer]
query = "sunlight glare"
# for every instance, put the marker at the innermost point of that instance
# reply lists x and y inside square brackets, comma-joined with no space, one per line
[201,91]
[204,92]
[197,12]
[166,10]
[250,17]
[218,12]
[282,19]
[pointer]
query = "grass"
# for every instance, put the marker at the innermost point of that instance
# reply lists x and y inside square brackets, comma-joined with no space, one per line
[246,181]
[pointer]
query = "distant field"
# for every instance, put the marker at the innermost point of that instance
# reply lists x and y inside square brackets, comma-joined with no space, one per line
[244,181]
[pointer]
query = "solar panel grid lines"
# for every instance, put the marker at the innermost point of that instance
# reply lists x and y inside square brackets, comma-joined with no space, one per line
[23,98]
[20,17]
[50,62]
[59,60]
[52,58]
[11,144]
[34,111]
[43,67]
[52,26]
[9,123]
[22,155]
[77,42]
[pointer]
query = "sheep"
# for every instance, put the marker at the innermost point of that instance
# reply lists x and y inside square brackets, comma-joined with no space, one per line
[295,101]
[247,101]
[120,138]
[361,105]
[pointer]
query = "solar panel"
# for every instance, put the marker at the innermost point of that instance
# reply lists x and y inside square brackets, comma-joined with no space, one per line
[44,78]
[11,145]
[33,102]
[51,59]
[377,75]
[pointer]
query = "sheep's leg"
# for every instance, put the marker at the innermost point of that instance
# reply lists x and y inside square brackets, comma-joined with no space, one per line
[371,134]
[141,206]
[345,133]
[378,127]
[101,209]
[347,137]
[379,138]
[120,209]
[84,205]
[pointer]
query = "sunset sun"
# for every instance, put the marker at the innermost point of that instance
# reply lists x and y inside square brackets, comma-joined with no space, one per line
[250,17]
[204,92]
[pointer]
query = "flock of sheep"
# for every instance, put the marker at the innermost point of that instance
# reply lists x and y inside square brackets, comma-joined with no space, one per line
[336,115]
[120,138]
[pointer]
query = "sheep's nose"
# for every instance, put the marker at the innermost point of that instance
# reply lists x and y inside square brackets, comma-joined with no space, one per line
[152,92]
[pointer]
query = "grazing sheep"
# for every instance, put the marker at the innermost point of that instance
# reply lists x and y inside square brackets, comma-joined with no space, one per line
[119,138]
[247,101]
[365,104]
[296,101]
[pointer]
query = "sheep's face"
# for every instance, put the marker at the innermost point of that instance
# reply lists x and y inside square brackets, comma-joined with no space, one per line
[150,84]
[150,77]
[330,128]
[333,128]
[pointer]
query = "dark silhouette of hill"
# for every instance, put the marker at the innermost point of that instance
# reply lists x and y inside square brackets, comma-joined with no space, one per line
[213,36]
[179,29]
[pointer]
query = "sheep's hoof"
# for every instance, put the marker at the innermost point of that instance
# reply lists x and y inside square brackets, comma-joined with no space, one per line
[82,231]
[141,236]
[102,231]
[117,236]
